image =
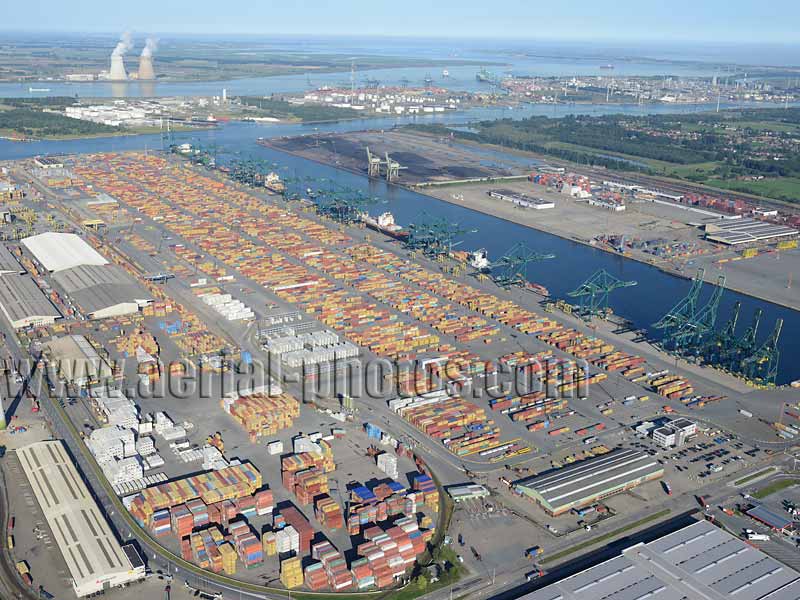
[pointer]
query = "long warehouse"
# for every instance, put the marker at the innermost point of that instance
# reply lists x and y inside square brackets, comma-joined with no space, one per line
[102,291]
[698,562]
[588,481]
[24,304]
[9,263]
[95,559]
[746,230]
[59,251]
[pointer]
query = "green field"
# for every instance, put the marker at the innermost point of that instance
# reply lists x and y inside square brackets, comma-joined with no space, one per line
[774,487]
[782,188]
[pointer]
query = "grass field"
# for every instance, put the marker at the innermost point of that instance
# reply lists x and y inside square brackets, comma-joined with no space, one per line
[782,188]
[755,475]
[774,487]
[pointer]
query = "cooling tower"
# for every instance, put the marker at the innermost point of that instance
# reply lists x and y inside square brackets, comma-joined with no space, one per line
[117,72]
[146,72]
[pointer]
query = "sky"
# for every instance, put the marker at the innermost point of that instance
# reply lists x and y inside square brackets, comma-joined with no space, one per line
[742,21]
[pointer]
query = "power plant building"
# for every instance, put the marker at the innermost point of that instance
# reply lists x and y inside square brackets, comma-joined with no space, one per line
[698,562]
[60,251]
[95,559]
[102,291]
[586,482]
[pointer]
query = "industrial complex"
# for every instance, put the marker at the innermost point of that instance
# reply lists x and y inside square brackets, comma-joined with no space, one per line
[224,381]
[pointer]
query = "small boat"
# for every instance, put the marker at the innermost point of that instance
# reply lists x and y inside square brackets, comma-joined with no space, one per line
[33,89]
[445,73]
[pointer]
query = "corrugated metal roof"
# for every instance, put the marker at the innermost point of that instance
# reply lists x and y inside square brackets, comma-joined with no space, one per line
[98,287]
[59,251]
[770,517]
[81,531]
[698,562]
[22,301]
[8,262]
[592,477]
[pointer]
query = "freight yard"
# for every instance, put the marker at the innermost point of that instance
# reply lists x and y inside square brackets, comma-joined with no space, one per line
[290,397]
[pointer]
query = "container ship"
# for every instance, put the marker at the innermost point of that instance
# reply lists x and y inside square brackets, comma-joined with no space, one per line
[385,224]
[273,183]
[537,288]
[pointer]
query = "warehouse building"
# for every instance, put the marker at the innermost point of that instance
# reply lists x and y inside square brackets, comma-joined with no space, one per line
[76,360]
[588,481]
[521,200]
[8,262]
[697,562]
[24,304]
[745,231]
[102,291]
[95,559]
[468,491]
[772,519]
[60,251]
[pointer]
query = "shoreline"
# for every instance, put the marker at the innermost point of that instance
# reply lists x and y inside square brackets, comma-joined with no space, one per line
[708,278]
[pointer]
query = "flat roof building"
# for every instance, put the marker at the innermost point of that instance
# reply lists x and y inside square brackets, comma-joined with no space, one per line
[697,562]
[102,291]
[468,491]
[95,559]
[9,263]
[60,251]
[588,481]
[745,230]
[24,304]
[76,360]
[771,518]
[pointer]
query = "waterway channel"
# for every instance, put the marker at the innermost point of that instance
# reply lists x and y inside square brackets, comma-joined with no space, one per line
[655,293]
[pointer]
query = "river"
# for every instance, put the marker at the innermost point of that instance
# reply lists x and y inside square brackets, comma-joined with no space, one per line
[655,293]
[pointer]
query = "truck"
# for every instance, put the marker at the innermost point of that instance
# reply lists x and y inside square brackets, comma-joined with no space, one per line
[475,553]
[534,552]
[667,488]
[531,575]
[758,537]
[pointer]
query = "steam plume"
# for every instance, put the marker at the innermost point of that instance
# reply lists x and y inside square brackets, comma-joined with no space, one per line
[150,46]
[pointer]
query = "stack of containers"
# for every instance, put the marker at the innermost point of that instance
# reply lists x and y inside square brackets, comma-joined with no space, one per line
[199,512]
[161,523]
[295,518]
[362,574]
[328,513]
[309,484]
[247,544]
[269,543]
[212,487]
[388,464]
[182,520]
[291,573]
[315,577]
[423,483]
[339,577]
[287,540]
[260,414]
[264,502]
[390,553]
[278,522]
[246,506]
[228,553]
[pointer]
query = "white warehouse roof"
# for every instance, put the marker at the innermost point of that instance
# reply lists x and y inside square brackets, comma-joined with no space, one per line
[59,251]
[698,562]
[93,555]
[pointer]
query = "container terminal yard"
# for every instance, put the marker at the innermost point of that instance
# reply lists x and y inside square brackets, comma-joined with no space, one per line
[262,397]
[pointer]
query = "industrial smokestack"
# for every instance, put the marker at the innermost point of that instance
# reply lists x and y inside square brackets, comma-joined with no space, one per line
[117,72]
[146,71]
